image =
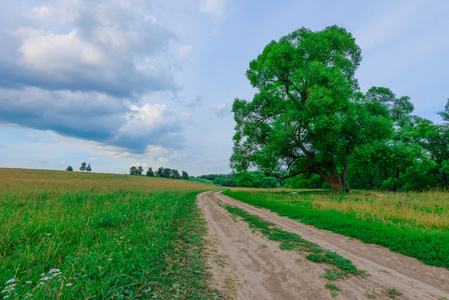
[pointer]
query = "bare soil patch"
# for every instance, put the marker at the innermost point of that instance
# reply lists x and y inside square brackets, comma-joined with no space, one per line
[246,265]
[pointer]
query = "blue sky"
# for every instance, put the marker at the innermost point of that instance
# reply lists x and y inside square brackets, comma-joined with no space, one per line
[151,83]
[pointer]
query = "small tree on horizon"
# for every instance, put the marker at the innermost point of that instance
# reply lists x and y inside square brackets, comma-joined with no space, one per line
[88,169]
[185,175]
[69,168]
[83,166]
[140,171]
[175,174]
[133,170]
[150,172]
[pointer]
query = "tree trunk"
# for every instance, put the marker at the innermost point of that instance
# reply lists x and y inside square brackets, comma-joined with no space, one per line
[334,180]
[343,178]
[444,177]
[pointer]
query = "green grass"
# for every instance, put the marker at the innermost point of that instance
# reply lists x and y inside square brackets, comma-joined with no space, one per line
[426,243]
[93,236]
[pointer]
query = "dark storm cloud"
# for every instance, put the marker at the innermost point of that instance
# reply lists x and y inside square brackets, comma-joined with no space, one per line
[111,48]
[76,68]
[90,116]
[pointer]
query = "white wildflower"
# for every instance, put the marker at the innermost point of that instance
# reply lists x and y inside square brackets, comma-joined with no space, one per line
[43,274]
[10,281]
[29,282]
[54,271]
[40,284]
[68,284]
[9,288]
[57,274]
[28,295]
[122,237]
[5,297]
[46,278]
[48,234]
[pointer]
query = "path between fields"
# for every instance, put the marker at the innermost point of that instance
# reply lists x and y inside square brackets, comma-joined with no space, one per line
[246,265]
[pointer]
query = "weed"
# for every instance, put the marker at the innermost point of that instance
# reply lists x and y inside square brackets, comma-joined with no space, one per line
[220,260]
[370,296]
[332,287]
[393,292]
[334,274]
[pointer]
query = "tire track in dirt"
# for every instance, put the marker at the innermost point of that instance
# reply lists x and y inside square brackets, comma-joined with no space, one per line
[246,265]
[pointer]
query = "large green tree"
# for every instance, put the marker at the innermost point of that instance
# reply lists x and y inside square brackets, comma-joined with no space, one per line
[380,164]
[434,140]
[307,115]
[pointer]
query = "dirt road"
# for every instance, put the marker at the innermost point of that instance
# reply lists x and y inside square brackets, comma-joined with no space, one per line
[246,265]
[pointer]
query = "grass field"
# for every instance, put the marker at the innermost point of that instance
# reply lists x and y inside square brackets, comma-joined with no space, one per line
[415,224]
[71,235]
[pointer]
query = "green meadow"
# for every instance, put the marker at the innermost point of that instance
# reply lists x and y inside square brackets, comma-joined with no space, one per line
[71,235]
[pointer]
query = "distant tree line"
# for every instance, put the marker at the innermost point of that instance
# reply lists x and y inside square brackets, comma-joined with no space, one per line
[161,172]
[83,167]
[244,179]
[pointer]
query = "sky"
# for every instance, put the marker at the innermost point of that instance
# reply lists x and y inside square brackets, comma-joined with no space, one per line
[151,83]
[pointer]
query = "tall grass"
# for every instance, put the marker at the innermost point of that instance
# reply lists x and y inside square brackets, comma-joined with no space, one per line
[415,224]
[95,236]
[428,210]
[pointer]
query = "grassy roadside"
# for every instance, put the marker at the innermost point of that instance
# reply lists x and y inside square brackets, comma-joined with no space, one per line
[100,236]
[430,245]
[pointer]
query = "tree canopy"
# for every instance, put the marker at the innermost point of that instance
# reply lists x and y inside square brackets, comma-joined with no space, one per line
[83,166]
[308,115]
[150,172]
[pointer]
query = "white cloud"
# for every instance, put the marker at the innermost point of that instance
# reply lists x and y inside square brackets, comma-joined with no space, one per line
[39,12]
[214,8]
[186,116]
[59,54]
[185,50]
[222,109]
[119,49]
[151,124]
[198,101]
[147,117]
[154,156]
